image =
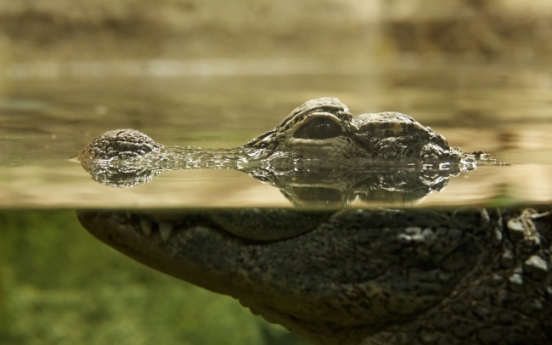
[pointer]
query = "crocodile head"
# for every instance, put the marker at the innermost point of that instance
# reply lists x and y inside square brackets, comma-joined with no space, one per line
[339,276]
[333,277]
[349,277]
[320,129]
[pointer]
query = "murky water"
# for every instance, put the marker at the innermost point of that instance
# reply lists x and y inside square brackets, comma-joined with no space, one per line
[48,118]
[48,113]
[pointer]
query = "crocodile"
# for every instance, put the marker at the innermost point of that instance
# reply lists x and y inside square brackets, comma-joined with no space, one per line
[359,276]
[389,154]
[341,275]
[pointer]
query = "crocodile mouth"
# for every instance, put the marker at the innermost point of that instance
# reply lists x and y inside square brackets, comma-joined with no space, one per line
[162,227]
[124,228]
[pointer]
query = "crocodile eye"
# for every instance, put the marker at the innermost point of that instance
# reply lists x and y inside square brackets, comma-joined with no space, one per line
[319,128]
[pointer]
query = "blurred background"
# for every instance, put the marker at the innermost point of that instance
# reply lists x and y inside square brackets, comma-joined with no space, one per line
[218,73]
[387,31]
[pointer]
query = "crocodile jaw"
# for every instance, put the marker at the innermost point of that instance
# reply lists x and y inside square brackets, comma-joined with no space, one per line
[174,252]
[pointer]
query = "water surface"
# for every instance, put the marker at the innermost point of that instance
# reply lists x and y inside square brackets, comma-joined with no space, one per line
[47,118]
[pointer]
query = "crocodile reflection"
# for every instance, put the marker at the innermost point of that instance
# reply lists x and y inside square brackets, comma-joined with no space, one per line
[312,188]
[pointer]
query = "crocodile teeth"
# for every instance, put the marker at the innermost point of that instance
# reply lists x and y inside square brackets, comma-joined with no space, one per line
[145,225]
[165,229]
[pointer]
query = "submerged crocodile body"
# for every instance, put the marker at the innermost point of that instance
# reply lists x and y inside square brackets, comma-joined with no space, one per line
[396,277]
[342,276]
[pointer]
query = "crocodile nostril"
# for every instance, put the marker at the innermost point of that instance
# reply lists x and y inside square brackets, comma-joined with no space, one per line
[119,143]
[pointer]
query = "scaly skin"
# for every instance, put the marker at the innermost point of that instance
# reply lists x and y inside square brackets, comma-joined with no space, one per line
[400,277]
